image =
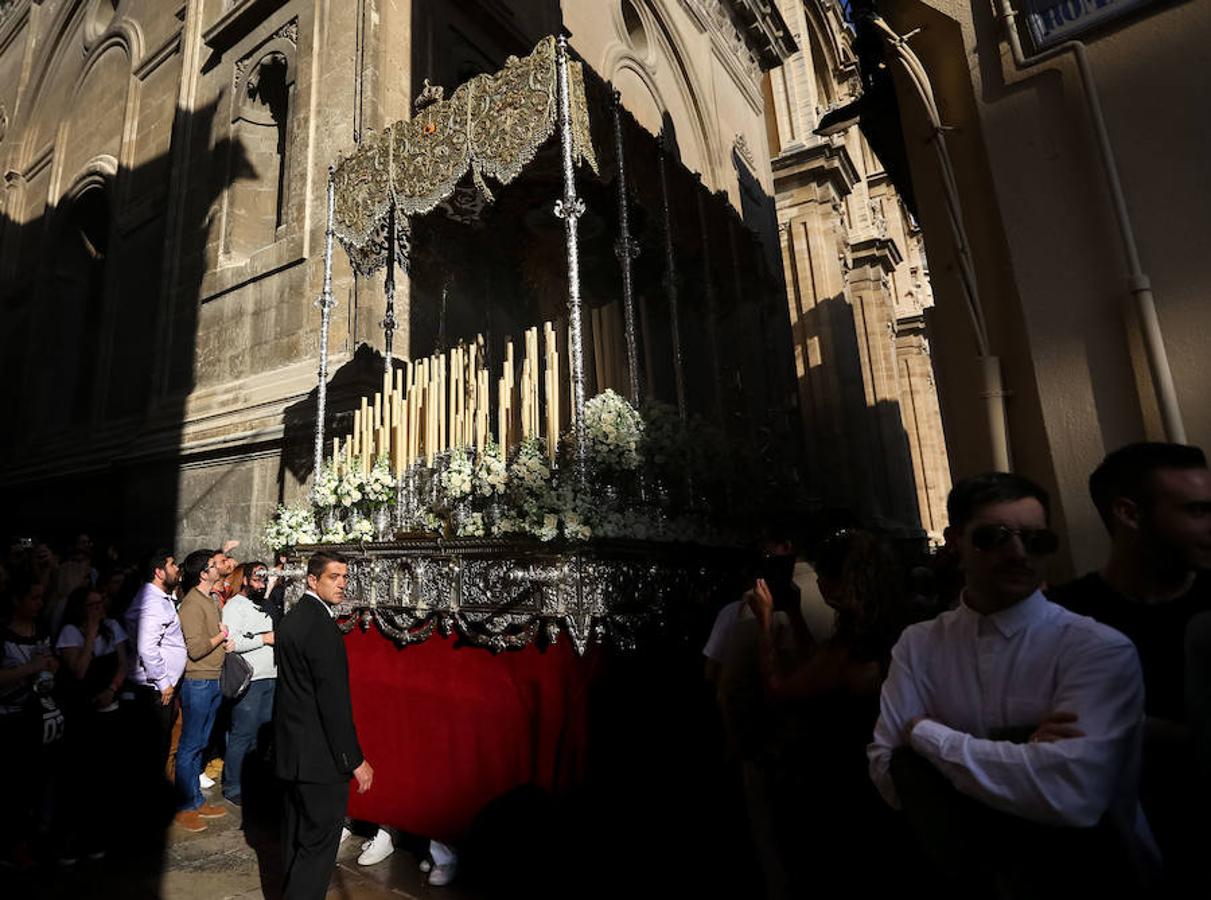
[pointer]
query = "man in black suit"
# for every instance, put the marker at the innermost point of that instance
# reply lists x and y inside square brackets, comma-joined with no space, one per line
[317,747]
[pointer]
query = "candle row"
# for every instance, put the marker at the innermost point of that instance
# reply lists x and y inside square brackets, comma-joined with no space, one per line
[443,402]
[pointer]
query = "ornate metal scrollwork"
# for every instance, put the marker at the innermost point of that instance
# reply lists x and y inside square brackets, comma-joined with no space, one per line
[503,595]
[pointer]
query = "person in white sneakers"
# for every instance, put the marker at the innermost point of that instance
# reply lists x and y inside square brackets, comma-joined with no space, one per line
[441,866]
[444,864]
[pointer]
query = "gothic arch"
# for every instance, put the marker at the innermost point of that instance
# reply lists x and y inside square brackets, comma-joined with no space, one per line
[100,171]
[826,36]
[665,47]
[125,34]
[73,47]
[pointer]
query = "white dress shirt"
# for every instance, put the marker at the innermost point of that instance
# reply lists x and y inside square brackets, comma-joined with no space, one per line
[974,675]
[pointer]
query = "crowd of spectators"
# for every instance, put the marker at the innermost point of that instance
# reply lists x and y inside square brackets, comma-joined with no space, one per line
[110,676]
[966,726]
[950,717]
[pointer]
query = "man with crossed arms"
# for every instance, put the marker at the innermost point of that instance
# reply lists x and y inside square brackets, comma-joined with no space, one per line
[1009,732]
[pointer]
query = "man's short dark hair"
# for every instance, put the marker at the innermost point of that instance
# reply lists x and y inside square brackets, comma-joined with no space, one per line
[191,570]
[1127,472]
[157,560]
[971,494]
[320,559]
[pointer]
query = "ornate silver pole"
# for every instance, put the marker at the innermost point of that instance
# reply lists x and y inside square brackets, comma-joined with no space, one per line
[670,286]
[388,322]
[325,302]
[570,208]
[626,249]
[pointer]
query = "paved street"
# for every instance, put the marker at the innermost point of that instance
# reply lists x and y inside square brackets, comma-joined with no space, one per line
[219,864]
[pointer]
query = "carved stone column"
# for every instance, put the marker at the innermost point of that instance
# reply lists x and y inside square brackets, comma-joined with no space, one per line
[887,451]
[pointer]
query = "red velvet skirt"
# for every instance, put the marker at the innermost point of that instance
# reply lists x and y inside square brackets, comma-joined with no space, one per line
[450,728]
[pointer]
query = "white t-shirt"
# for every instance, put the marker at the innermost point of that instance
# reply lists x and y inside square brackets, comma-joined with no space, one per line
[716,644]
[71,636]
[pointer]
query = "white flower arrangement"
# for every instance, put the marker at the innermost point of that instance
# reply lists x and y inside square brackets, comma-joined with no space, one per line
[327,484]
[545,528]
[361,529]
[530,470]
[458,478]
[574,528]
[491,473]
[615,430]
[335,533]
[491,493]
[472,526]
[506,525]
[349,488]
[291,526]
[379,486]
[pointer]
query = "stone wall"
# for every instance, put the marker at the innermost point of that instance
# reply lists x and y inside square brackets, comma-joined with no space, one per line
[857,289]
[161,226]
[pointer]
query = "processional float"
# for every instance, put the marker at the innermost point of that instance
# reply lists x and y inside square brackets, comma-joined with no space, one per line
[463,497]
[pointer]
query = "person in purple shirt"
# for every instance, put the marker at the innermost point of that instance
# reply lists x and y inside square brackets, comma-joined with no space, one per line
[157,660]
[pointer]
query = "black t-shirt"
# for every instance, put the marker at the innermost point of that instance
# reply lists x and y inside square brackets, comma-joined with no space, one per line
[1158,631]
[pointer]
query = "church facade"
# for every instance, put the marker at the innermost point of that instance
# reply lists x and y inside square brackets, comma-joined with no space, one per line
[163,220]
[858,293]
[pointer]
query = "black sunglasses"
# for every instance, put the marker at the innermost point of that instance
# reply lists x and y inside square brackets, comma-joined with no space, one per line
[1035,541]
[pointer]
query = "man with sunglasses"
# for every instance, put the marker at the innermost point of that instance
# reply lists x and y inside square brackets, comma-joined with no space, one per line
[1155,500]
[1009,727]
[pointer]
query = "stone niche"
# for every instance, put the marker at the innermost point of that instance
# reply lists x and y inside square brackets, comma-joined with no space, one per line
[258,202]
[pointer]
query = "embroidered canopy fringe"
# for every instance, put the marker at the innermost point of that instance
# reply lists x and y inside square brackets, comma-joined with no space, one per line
[493,126]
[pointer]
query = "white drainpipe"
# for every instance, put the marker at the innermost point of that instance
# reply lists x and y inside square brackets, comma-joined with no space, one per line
[1137,282]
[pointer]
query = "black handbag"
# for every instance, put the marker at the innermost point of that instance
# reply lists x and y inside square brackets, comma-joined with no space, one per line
[235,676]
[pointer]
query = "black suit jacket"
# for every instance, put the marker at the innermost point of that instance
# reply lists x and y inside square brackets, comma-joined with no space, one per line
[313,716]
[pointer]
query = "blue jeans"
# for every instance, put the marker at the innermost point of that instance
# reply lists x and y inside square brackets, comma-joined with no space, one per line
[248,716]
[199,705]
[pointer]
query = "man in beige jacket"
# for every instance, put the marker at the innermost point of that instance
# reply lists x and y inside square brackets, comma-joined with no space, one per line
[206,645]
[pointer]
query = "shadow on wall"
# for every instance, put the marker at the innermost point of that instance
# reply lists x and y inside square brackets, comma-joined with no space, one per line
[99,301]
[360,376]
[858,451]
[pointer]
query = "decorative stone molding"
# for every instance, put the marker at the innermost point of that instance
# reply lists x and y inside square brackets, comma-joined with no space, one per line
[753,30]
[288,33]
[238,20]
[743,150]
[838,207]
[878,221]
[821,163]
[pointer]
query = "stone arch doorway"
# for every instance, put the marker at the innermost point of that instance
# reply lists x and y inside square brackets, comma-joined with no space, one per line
[78,258]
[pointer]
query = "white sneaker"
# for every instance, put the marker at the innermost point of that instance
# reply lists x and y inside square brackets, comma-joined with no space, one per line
[380,848]
[345,834]
[205,781]
[440,876]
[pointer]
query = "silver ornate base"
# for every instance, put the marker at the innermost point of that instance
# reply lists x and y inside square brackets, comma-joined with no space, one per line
[504,594]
